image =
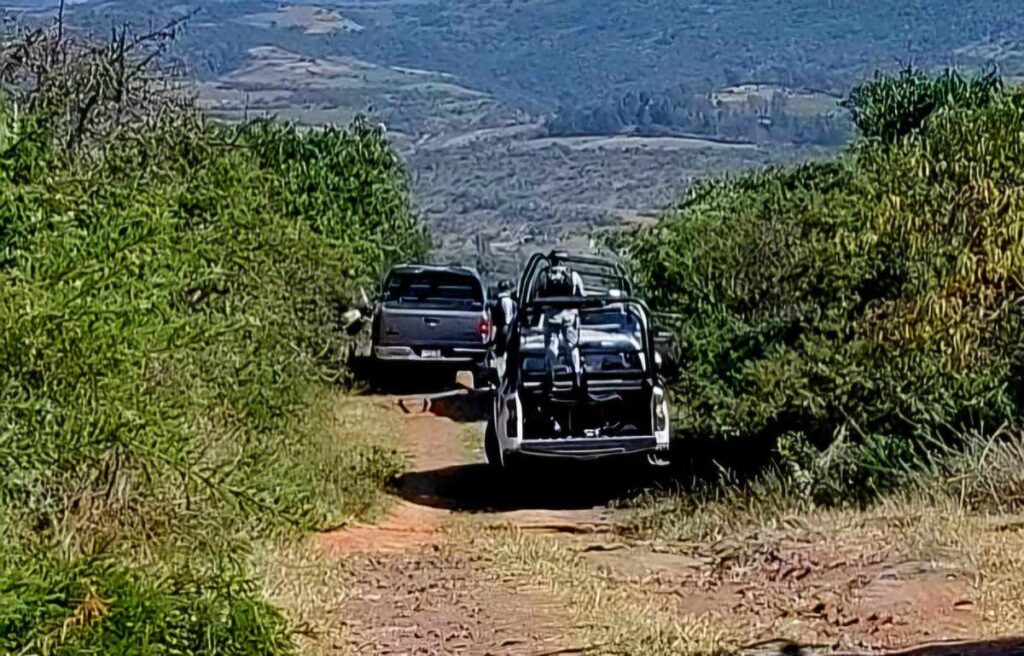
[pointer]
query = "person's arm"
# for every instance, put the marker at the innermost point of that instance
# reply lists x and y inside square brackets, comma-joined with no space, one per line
[577,284]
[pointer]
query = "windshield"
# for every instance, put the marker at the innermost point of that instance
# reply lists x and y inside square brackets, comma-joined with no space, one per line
[445,290]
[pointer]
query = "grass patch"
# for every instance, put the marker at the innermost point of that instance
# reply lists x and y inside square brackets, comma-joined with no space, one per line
[354,455]
[960,508]
[610,617]
[357,452]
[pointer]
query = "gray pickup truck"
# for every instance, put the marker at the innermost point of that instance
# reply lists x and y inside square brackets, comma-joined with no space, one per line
[431,316]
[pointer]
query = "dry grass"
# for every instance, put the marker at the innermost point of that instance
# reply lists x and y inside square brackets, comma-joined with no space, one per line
[987,552]
[935,526]
[740,535]
[304,582]
[309,588]
[990,547]
[947,552]
[611,616]
[310,19]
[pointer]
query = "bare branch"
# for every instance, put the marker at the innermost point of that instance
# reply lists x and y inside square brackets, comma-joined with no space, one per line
[91,92]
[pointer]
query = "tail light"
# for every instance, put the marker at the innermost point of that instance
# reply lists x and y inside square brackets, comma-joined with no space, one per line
[484,328]
[658,403]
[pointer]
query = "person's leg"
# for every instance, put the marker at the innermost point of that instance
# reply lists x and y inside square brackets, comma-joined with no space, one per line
[500,339]
[572,346]
[551,341]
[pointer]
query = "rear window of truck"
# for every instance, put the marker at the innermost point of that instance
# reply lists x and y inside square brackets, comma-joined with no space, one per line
[444,290]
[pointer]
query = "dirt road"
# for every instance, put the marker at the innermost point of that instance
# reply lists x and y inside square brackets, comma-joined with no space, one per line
[420,589]
[462,565]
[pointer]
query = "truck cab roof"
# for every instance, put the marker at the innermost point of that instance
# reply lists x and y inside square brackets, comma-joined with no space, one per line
[422,268]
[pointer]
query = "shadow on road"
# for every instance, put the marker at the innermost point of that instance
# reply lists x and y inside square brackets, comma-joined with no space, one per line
[470,407]
[1002,647]
[551,485]
[376,378]
[543,486]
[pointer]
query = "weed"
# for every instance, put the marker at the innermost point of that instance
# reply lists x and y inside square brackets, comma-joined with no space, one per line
[613,618]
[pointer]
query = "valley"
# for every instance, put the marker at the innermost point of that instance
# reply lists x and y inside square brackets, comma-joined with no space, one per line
[199,198]
[528,123]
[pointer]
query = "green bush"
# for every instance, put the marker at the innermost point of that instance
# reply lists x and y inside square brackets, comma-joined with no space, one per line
[877,297]
[890,107]
[170,295]
[96,605]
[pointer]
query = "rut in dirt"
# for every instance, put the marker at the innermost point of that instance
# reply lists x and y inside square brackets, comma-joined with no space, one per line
[414,591]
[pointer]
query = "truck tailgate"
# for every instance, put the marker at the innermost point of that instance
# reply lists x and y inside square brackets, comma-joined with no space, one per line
[419,327]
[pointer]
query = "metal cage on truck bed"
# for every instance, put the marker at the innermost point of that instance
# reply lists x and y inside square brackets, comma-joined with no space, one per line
[614,404]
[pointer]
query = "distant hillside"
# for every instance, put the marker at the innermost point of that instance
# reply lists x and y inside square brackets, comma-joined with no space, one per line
[540,52]
[479,95]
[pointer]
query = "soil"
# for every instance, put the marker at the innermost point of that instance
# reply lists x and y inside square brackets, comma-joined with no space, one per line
[433,601]
[416,590]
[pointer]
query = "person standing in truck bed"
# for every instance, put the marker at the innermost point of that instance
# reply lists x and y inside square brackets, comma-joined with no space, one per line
[562,325]
[504,316]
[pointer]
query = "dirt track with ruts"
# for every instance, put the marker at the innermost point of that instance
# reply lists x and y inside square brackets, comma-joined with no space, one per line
[428,579]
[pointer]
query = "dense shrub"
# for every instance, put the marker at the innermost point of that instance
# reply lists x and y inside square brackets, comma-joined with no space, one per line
[890,107]
[169,299]
[874,301]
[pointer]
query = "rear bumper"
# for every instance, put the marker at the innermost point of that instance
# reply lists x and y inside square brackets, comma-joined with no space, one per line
[448,354]
[590,448]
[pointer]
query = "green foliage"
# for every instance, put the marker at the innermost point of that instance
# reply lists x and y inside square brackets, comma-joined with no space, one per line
[349,184]
[170,294]
[890,107]
[873,301]
[759,117]
[96,605]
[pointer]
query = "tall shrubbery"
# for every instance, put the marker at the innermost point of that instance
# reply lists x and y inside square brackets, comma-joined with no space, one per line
[871,305]
[891,107]
[169,300]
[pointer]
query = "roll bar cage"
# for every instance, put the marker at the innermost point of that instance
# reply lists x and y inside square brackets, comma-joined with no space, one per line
[584,303]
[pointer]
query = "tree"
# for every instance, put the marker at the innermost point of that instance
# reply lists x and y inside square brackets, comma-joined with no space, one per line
[890,107]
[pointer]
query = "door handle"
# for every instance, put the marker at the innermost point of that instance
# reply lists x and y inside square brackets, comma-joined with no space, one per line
[430,321]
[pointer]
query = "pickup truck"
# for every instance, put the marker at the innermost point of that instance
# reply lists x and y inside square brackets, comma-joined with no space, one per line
[612,404]
[431,316]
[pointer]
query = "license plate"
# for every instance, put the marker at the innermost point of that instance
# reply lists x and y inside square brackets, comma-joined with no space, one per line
[431,353]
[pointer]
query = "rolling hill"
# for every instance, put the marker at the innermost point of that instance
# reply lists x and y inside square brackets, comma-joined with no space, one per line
[467,87]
